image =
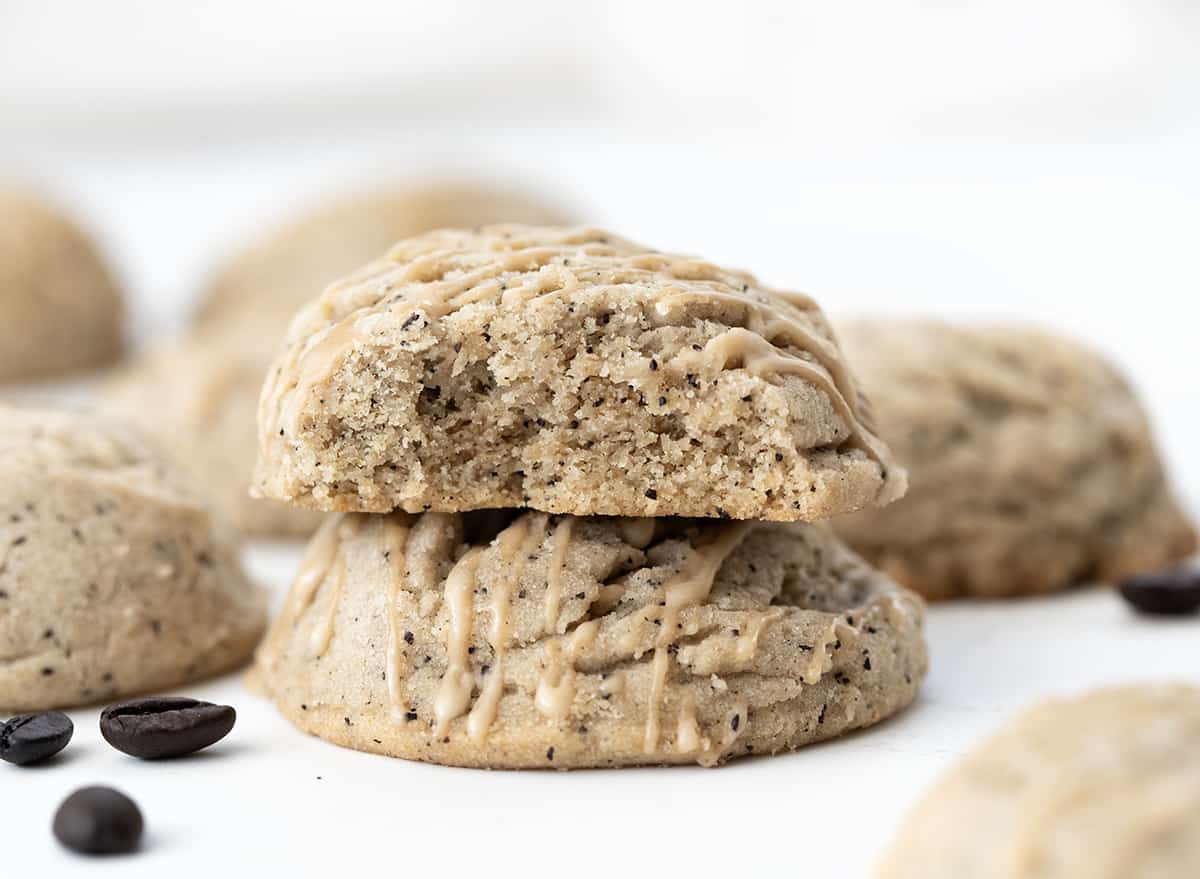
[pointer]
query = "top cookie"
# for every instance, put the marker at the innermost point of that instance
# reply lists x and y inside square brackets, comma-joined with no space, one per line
[60,310]
[278,274]
[570,371]
[1032,461]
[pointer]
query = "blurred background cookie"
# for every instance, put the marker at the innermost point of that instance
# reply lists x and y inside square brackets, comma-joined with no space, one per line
[114,576]
[198,397]
[1107,784]
[60,308]
[1032,465]
[291,265]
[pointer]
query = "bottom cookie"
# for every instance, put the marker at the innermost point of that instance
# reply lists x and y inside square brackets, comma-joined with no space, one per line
[514,641]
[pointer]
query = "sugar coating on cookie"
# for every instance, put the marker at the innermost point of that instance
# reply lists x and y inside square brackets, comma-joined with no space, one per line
[570,371]
[114,579]
[1032,464]
[198,397]
[517,640]
[60,309]
[276,275]
[1107,784]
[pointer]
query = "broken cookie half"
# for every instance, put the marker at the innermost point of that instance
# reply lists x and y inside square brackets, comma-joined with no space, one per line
[569,371]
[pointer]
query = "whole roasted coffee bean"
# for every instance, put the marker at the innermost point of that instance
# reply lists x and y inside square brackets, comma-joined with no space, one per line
[165,726]
[98,821]
[30,738]
[1174,592]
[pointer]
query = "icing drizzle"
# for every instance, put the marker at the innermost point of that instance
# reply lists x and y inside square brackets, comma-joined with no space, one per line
[556,686]
[454,694]
[558,554]
[691,586]
[515,542]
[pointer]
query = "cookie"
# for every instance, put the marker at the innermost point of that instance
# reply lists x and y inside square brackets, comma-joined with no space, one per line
[1103,785]
[114,578]
[559,642]
[277,275]
[198,398]
[569,371]
[60,309]
[1032,463]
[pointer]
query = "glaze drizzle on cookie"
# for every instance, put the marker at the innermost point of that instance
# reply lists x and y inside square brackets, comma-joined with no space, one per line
[688,588]
[454,694]
[558,554]
[556,685]
[515,543]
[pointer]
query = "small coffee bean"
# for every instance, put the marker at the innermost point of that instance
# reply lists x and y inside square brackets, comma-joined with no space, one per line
[98,821]
[30,738]
[165,726]
[1175,592]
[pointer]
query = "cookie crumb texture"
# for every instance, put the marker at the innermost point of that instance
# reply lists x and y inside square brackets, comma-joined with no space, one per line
[1107,784]
[528,640]
[1033,465]
[60,309]
[572,372]
[114,579]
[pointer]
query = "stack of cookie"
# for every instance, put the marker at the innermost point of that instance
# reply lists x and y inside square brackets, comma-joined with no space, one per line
[578,486]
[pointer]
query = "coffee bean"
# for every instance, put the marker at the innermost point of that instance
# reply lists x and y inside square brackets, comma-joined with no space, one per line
[30,738]
[165,726]
[1175,592]
[98,821]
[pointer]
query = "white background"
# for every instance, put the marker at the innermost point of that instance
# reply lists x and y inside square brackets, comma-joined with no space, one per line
[1028,159]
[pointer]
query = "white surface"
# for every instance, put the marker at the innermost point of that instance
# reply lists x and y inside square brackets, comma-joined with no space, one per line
[270,801]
